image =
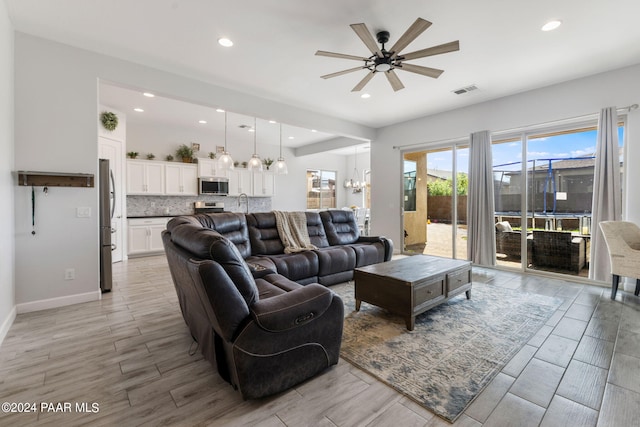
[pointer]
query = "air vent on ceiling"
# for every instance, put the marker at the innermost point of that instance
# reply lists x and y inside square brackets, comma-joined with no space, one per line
[465,89]
[245,127]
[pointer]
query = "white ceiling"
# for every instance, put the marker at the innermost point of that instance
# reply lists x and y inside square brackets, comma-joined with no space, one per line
[502,49]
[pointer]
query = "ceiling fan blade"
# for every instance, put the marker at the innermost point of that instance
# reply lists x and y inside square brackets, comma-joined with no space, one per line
[365,35]
[363,82]
[395,82]
[418,69]
[410,35]
[435,50]
[339,73]
[339,55]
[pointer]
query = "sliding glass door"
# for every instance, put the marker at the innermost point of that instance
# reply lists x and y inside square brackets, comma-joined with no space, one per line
[435,201]
[553,186]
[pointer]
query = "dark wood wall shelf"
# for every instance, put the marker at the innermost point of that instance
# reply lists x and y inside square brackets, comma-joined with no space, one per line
[55,179]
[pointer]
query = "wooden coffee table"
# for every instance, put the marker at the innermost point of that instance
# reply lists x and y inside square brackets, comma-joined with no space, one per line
[412,285]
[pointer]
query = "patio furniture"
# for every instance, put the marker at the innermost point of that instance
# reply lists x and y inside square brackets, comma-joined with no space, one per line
[558,249]
[508,241]
[623,243]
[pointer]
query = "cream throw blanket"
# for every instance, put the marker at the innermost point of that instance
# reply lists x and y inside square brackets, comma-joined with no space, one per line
[292,228]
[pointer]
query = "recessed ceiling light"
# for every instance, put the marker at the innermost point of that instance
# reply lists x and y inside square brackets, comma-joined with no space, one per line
[272,121]
[291,137]
[551,25]
[139,110]
[148,94]
[251,130]
[219,110]
[202,122]
[225,42]
[313,130]
[365,96]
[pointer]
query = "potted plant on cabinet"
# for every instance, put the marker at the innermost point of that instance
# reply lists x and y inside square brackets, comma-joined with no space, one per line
[185,152]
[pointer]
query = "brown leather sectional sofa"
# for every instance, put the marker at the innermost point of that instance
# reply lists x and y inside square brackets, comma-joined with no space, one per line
[260,316]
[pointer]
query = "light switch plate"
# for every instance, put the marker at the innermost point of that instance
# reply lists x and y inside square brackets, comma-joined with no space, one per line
[83,212]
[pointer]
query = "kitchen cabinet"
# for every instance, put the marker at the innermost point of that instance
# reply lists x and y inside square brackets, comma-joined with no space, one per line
[240,181]
[145,235]
[145,177]
[207,168]
[181,179]
[264,184]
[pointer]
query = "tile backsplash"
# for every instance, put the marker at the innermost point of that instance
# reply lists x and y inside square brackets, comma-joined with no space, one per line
[138,206]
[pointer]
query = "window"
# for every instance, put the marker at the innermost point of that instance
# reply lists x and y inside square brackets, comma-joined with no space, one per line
[557,178]
[321,189]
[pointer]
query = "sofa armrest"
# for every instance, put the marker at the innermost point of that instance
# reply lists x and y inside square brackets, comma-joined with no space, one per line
[369,239]
[387,243]
[292,309]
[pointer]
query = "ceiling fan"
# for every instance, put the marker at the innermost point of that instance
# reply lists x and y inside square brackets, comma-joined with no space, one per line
[386,61]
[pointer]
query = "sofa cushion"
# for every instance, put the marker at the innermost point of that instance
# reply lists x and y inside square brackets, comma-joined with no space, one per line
[263,234]
[335,259]
[300,267]
[316,231]
[340,226]
[368,253]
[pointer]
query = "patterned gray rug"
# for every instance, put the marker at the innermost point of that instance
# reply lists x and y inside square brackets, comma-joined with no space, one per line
[455,349]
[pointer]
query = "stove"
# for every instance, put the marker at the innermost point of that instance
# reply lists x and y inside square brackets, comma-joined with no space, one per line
[208,207]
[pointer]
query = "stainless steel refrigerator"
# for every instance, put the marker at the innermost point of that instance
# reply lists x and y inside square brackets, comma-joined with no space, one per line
[107,204]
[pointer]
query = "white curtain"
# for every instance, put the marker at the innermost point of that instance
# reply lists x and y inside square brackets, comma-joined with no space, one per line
[607,195]
[481,235]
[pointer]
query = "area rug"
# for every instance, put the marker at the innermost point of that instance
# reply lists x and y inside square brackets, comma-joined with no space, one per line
[455,350]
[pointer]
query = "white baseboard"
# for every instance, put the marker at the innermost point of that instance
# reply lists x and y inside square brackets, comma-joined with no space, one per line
[45,304]
[6,325]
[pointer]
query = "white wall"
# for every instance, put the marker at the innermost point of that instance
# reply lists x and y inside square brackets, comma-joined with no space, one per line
[562,101]
[56,105]
[7,282]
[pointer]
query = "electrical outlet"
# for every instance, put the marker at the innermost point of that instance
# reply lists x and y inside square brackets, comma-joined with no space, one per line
[70,274]
[83,212]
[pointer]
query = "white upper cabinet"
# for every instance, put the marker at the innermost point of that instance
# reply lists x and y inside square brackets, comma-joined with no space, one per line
[207,167]
[264,183]
[145,177]
[181,179]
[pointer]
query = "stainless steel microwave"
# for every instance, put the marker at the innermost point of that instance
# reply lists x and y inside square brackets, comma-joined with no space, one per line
[214,185]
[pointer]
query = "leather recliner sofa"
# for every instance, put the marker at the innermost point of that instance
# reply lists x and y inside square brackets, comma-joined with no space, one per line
[257,313]
[263,332]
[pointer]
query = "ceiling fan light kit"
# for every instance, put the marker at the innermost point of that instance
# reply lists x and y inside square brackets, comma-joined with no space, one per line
[387,61]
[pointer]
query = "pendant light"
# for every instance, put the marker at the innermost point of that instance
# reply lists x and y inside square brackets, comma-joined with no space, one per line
[225,162]
[255,164]
[354,182]
[281,166]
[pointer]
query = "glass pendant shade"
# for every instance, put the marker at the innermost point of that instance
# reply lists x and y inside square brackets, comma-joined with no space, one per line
[255,163]
[225,162]
[281,166]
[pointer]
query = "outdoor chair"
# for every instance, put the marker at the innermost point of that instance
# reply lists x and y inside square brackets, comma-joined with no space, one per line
[558,249]
[623,243]
[508,241]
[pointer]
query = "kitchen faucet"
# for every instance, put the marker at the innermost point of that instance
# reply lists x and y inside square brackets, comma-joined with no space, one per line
[246,198]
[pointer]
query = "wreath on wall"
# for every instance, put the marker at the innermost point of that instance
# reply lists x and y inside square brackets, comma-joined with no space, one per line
[109,120]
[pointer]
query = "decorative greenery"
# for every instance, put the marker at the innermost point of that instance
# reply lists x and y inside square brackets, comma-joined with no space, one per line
[132,154]
[151,156]
[244,164]
[185,152]
[236,164]
[268,162]
[169,158]
[212,155]
[109,120]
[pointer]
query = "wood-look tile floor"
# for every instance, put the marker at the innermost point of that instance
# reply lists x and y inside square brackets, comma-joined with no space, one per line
[129,355]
